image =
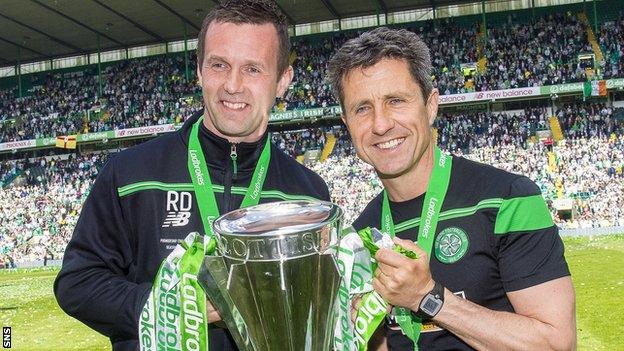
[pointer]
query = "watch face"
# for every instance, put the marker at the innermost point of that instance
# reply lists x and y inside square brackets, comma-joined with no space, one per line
[431,305]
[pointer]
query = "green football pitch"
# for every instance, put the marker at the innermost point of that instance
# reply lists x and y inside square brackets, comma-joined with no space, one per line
[27,303]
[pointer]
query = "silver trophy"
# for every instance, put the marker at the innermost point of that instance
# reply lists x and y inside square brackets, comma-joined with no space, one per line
[275,281]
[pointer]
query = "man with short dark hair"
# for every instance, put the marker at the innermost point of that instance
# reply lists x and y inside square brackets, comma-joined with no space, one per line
[149,197]
[490,272]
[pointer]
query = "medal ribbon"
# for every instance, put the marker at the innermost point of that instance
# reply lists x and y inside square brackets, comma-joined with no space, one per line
[432,205]
[204,193]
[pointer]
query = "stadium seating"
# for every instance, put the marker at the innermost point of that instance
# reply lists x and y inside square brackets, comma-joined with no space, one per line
[587,167]
[153,90]
[41,198]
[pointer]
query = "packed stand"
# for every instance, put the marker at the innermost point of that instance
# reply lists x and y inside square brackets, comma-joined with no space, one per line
[535,54]
[611,41]
[37,216]
[450,46]
[589,171]
[297,142]
[467,131]
[153,90]
[52,108]
[9,170]
[135,93]
[309,89]
[589,121]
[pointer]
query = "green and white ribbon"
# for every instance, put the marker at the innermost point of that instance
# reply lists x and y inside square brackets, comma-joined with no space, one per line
[354,262]
[174,316]
[343,333]
[370,314]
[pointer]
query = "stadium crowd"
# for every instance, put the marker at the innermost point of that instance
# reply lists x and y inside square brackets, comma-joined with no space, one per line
[478,129]
[589,171]
[41,198]
[588,121]
[135,93]
[154,90]
[295,143]
[535,54]
[611,40]
[38,215]
[39,209]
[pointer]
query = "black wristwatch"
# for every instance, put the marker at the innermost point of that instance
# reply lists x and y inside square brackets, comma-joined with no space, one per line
[432,303]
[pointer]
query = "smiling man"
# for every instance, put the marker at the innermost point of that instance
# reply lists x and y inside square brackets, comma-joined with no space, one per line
[491,273]
[149,197]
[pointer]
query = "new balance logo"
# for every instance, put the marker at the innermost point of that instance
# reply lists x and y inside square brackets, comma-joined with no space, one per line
[176,219]
[178,209]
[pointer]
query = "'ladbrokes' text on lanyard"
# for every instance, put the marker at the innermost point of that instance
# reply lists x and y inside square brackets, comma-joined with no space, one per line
[434,197]
[198,169]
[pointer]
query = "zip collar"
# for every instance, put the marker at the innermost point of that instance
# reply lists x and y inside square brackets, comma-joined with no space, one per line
[218,150]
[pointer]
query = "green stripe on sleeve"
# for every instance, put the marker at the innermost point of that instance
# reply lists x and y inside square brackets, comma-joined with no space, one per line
[135,187]
[522,214]
[492,203]
[154,185]
[276,194]
[469,211]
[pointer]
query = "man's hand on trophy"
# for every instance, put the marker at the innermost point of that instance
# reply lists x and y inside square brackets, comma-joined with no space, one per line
[213,315]
[400,280]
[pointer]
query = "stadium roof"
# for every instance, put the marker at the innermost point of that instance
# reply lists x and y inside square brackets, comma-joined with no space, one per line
[48,29]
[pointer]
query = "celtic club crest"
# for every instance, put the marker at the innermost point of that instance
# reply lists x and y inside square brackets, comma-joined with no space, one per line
[451,245]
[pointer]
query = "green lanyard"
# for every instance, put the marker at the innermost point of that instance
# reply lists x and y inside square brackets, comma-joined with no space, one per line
[198,169]
[434,197]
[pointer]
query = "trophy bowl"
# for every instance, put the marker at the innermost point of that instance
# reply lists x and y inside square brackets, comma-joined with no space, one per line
[275,280]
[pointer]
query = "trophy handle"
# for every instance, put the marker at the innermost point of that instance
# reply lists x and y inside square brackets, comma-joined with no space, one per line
[213,277]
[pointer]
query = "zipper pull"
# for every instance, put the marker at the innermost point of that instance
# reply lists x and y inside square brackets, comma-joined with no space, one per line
[233,156]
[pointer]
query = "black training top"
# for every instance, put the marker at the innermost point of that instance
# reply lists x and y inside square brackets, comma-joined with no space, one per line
[140,206]
[494,235]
